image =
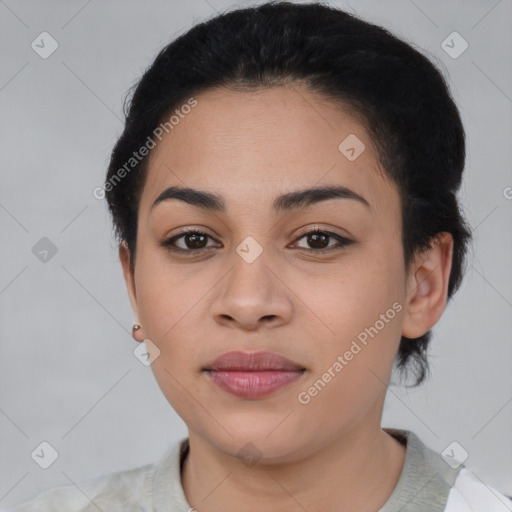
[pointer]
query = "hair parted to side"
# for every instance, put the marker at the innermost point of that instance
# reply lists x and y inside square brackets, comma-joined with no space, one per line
[398,94]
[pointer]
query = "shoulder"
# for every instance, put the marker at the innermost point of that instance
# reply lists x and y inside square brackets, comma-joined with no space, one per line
[122,491]
[470,494]
[440,482]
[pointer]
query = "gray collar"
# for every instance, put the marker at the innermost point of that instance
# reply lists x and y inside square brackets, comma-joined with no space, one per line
[425,480]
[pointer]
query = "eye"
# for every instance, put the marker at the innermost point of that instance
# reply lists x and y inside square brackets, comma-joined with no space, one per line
[194,241]
[318,239]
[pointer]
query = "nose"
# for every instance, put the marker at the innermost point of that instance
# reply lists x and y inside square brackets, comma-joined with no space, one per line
[253,297]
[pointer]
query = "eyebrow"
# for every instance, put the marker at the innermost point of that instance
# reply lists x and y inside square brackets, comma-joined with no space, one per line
[285,202]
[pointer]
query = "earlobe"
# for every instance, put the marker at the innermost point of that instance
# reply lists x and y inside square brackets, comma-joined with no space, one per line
[135,328]
[125,258]
[427,290]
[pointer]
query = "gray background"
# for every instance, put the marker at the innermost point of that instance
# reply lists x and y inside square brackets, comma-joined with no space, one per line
[68,373]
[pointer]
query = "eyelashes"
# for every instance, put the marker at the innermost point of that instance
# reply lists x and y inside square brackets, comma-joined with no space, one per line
[197,236]
[169,242]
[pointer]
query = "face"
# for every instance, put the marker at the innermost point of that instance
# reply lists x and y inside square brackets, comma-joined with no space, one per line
[254,280]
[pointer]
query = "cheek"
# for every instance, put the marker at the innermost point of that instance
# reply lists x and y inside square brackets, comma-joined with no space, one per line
[363,308]
[167,300]
[173,304]
[352,296]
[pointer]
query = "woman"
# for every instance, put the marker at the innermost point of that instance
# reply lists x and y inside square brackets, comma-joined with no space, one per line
[284,193]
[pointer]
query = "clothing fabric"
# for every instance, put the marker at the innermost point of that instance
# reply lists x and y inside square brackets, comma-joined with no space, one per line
[426,484]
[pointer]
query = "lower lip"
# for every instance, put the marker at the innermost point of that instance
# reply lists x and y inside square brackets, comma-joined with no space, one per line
[253,384]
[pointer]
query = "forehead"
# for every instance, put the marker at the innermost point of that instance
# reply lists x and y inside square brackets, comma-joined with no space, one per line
[246,146]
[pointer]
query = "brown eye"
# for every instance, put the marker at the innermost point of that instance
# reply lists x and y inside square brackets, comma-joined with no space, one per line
[191,241]
[194,240]
[318,241]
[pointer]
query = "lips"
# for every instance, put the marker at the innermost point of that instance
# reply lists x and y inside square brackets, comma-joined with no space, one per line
[252,361]
[252,375]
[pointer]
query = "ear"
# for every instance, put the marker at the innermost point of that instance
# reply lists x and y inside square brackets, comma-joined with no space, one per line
[125,257]
[427,287]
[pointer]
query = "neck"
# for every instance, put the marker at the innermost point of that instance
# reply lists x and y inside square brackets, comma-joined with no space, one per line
[341,471]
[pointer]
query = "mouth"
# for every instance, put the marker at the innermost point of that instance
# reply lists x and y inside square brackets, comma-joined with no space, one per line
[252,361]
[252,375]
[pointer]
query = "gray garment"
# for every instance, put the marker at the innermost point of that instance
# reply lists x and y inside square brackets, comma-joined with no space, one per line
[425,481]
[423,486]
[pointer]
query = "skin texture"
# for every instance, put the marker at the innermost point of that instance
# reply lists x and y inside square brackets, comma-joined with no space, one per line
[250,147]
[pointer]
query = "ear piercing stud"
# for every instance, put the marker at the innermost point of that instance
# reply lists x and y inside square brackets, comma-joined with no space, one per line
[135,327]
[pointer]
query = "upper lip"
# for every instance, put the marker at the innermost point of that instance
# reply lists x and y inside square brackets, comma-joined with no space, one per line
[252,361]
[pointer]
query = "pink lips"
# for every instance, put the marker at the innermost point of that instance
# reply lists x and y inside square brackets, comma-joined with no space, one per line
[252,374]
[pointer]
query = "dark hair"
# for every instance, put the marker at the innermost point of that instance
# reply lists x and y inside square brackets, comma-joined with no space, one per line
[395,91]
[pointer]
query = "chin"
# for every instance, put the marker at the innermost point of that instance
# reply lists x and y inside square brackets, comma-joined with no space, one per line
[259,441]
